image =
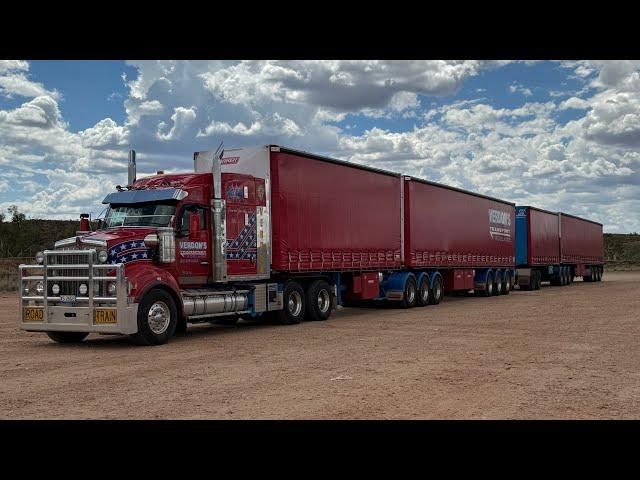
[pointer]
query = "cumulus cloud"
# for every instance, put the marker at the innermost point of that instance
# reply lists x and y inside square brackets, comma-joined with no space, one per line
[14,81]
[588,165]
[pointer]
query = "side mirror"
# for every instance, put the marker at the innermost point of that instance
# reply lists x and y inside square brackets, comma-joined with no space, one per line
[194,226]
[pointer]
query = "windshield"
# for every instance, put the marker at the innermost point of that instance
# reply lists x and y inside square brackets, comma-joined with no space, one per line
[140,215]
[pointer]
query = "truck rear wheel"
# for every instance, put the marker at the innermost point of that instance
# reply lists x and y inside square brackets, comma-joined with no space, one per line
[67,337]
[424,296]
[538,279]
[157,318]
[294,304]
[506,284]
[600,274]
[319,301]
[437,290]
[410,295]
[497,286]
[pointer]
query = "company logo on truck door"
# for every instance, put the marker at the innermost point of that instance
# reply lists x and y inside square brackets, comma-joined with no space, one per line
[193,249]
[499,225]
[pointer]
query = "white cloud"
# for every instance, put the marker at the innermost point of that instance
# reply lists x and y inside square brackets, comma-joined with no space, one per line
[588,166]
[14,81]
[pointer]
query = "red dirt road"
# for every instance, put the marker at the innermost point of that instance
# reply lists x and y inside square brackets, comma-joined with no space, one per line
[560,352]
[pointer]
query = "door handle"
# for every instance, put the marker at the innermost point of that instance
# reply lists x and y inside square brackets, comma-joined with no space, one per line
[204,263]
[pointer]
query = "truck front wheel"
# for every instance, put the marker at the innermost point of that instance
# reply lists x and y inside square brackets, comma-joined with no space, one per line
[294,304]
[67,337]
[318,301]
[157,318]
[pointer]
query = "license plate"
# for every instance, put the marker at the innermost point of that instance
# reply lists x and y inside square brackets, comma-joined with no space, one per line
[33,314]
[105,316]
[68,298]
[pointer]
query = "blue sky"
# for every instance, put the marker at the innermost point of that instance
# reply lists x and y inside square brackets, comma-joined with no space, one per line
[560,135]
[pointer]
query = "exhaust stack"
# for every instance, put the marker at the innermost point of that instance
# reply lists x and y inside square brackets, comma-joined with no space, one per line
[132,167]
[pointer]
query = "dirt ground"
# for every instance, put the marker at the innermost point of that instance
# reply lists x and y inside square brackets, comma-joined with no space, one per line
[560,352]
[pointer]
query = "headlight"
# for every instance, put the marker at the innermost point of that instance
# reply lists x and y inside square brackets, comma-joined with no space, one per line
[40,288]
[82,289]
[26,290]
[102,256]
[55,289]
[112,288]
[39,258]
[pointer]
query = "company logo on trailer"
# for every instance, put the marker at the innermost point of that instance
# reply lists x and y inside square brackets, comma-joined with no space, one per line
[229,160]
[501,232]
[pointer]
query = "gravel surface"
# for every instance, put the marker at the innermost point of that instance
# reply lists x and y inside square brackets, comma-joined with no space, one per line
[560,352]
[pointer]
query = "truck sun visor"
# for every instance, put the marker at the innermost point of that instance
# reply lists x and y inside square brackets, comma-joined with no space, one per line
[142,196]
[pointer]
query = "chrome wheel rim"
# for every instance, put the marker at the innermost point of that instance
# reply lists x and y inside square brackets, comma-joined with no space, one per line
[490,287]
[438,291]
[507,284]
[294,304]
[159,317]
[411,293]
[424,292]
[324,301]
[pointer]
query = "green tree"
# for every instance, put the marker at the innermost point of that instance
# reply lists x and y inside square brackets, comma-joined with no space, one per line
[16,216]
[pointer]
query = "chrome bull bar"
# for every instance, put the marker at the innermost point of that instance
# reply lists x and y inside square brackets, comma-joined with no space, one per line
[93,311]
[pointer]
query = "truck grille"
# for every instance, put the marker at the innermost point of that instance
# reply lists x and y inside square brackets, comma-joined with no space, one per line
[67,287]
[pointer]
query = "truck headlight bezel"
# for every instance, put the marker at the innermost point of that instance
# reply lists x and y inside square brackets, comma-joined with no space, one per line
[39,258]
[103,256]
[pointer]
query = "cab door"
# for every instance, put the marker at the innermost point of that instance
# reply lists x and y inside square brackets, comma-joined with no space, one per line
[193,245]
[239,193]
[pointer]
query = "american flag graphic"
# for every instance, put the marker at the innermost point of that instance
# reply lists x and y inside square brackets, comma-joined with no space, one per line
[126,252]
[244,247]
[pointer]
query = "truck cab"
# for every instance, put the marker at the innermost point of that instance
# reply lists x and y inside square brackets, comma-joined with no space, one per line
[172,248]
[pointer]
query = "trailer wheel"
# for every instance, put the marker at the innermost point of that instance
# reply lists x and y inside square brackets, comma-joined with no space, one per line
[538,279]
[437,291]
[410,295]
[488,286]
[319,301]
[601,274]
[157,318]
[424,295]
[67,337]
[506,284]
[294,304]
[497,285]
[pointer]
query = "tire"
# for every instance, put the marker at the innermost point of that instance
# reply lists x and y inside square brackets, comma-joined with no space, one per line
[601,274]
[410,294]
[497,285]
[539,280]
[506,284]
[588,278]
[437,291]
[488,288]
[319,301]
[157,318]
[294,304]
[424,292]
[67,337]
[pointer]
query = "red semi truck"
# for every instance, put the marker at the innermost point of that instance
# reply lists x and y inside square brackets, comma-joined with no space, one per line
[265,232]
[556,247]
